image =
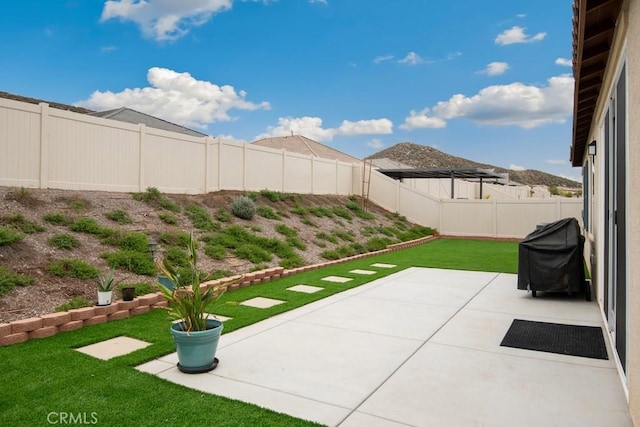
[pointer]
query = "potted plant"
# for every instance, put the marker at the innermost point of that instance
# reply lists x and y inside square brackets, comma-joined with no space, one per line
[106,283]
[195,334]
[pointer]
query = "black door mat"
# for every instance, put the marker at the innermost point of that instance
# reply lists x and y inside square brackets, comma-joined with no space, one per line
[572,340]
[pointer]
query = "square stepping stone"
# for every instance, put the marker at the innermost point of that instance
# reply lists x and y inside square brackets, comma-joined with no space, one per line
[336,279]
[261,302]
[366,272]
[380,265]
[307,289]
[114,347]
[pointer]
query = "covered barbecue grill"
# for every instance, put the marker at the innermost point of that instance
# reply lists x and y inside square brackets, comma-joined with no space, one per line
[550,259]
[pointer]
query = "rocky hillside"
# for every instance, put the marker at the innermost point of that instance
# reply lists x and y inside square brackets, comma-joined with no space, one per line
[421,156]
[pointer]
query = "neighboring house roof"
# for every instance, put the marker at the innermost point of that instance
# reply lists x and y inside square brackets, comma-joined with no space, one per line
[303,145]
[135,117]
[121,114]
[57,105]
[594,24]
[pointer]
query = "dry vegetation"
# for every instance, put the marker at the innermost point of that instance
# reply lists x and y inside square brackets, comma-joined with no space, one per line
[49,236]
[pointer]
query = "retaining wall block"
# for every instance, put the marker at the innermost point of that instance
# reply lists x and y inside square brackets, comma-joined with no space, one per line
[82,313]
[55,319]
[96,320]
[105,310]
[71,326]
[141,310]
[14,338]
[122,314]
[26,325]
[128,305]
[5,329]
[43,332]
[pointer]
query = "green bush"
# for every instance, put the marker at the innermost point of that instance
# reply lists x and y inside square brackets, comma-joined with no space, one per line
[75,302]
[300,210]
[58,219]
[10,279]
[416,232]
[267,212]
[168,218]
[222,214]
[253,253]
[76,268]
[136,262]
[243,207]
[293,261]
[86,225]
[342,213]
[155,198]
[177,256]
[9,236]
[273,196]
[286,231]
[217,252]
[176,238]
[138,242]
[328,237]
[378,243]
[63,241]
[321,211]
[142,288]
[200,218]
[357,210]
[330,254]
[21,223]
[346,250]
[309,222]
[343,235]
[119,216]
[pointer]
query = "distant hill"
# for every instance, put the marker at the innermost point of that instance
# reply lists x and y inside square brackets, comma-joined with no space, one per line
[421,156]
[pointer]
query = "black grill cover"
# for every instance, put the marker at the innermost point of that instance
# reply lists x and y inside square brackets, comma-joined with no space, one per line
[550,259]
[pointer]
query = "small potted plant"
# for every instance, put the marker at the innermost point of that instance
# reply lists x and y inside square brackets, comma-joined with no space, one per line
[196,334]
[106,283]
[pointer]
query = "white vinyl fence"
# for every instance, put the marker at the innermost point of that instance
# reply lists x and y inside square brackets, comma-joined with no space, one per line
[43,147]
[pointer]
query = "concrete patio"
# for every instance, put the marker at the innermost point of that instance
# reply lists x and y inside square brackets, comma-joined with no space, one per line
[420,347]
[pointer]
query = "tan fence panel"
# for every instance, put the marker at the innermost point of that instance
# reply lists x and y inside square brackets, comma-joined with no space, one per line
[173,163]
[88,153]
[345,175]
[419,207]
[324,176]
[298,174]
[231,165]
[263,168]
[19,144]
[467,218]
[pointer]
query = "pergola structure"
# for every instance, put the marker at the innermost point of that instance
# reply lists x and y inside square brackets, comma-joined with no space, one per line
[445,173]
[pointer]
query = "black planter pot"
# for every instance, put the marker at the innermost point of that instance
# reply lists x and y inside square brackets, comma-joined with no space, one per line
[128,294]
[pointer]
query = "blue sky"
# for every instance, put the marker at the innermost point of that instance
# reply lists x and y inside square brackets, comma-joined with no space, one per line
[489,81]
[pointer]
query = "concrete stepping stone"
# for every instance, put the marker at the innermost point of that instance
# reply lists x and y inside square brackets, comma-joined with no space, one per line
[261,302]
[381,265]
[307,289]
[336,279]
[113,347]
[365,272]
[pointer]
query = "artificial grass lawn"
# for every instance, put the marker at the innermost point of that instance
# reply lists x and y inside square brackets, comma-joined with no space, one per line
[46,376]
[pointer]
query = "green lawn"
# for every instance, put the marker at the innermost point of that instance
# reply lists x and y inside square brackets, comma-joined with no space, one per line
[47,376]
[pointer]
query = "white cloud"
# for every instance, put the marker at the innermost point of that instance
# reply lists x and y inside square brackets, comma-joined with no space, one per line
[517,168]
[564,62]
[412,58]
[164,20]
[319,1]
[178,98]
[516,104]
[557,162]
[422,119]
[375,143]
[453,55]
[107,48]
[496,68]
[515,35]
[366,127]
[311,127]
[384,58]
[521,15]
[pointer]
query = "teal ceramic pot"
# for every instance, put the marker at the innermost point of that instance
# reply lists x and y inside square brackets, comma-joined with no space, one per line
[164,281]
[197,349]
